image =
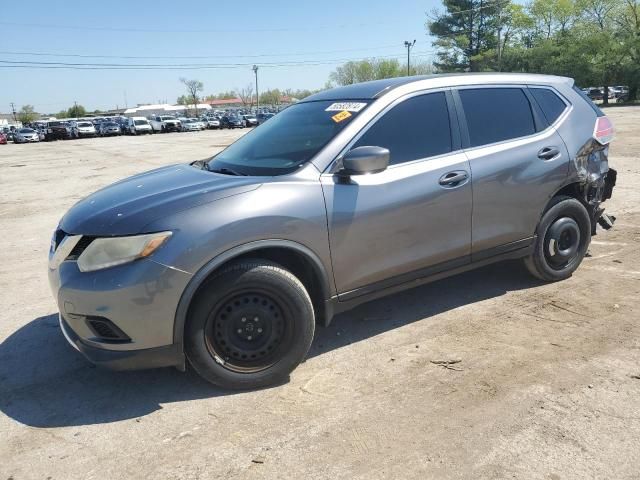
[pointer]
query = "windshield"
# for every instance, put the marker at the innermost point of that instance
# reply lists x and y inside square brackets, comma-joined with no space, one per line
[140,122]
[27,130]
[289,140]
[85,124]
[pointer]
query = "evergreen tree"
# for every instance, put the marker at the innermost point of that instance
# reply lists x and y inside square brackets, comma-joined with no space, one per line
[467,34]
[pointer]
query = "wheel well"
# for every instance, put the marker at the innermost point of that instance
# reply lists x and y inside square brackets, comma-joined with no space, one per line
[297,263]
[575,190]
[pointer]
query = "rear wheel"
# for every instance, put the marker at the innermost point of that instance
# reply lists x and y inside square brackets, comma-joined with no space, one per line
[563,237]
[249,326]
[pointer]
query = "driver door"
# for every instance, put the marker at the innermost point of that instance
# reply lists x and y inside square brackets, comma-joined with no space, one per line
[408,221]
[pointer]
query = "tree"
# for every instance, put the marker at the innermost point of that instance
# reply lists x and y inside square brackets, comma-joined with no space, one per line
[27,114]
[182,100]
[246,95]
[76,111]
[364,70]
[193,88]
[271,97]
[466,34]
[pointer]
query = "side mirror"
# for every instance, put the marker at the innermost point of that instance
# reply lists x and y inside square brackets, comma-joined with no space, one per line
[362,160]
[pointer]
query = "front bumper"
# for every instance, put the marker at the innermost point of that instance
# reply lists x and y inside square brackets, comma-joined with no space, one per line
[167,356]
[139,298]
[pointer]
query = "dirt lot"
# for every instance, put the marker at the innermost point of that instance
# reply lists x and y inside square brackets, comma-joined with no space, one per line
[547,386]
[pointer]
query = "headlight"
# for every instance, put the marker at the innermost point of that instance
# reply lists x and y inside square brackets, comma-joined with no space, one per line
[109,252]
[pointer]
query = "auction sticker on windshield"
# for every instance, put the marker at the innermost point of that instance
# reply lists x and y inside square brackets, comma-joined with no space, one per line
[343,115]
[345,106]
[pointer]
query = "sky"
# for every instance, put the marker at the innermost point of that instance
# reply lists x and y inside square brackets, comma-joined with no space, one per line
[234,35]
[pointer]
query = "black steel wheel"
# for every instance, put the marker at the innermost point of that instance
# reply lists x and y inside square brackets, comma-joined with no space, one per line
[249,330]
[249,326]
[563,237]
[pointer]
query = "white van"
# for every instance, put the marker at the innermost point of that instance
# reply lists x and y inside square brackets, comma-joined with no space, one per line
[138,125]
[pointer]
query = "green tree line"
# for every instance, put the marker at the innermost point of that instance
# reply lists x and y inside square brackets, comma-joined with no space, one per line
[597,42]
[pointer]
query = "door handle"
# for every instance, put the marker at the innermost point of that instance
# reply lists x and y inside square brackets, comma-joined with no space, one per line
[453,179]
[547,153]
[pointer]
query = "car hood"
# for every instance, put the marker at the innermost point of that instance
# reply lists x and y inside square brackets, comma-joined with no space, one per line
[126,207]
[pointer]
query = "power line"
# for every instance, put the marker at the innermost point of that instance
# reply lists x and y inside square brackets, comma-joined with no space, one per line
[159,57]
[255,30]
[185,66]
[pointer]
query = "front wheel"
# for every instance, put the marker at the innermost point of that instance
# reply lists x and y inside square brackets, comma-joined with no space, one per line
[249,326]
[563,237]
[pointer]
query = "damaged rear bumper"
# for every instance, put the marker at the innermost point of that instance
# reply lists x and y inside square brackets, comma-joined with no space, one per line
[604,192]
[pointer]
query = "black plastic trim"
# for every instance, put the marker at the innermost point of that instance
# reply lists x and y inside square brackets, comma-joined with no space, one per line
[424,276]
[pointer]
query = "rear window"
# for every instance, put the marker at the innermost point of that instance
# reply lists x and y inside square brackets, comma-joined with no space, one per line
[141,122]
[496,114]
[550,103]
[593,106]
[414,129]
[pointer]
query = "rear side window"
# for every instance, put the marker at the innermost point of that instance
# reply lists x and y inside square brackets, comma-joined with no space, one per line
[593,106]
[414,129]
[496,114]
[552,106]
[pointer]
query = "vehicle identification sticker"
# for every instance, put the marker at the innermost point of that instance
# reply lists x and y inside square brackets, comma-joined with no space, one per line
[345,106]
[339,117]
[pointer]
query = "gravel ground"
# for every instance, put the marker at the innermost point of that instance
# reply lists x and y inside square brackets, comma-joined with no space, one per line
[547,386]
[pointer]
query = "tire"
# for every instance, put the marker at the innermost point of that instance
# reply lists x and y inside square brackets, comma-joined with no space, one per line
[563,237]
[249,326]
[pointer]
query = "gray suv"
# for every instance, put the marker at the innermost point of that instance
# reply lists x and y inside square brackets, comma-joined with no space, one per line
[349,195]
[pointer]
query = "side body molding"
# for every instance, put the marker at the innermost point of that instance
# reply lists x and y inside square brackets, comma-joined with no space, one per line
[202,274]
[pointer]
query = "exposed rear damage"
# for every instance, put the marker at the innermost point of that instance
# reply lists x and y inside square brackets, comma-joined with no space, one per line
[596,178]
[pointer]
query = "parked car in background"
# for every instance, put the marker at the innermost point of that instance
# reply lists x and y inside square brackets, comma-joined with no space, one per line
[620,93]
[212,123]
[231,121]
[85,129]
[250,120]
[595,94]
[138,126]
[26,135]
[263,117]
[60,130]
[164,123]
[190,125]
[201,125]
[9,132]
[108,129]
[3,139]
[122,123]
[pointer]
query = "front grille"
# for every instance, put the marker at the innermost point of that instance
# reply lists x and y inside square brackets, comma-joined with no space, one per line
[80,247]
[105,329]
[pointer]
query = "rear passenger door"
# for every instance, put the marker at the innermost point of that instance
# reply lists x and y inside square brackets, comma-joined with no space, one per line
[517,162]
[412,219]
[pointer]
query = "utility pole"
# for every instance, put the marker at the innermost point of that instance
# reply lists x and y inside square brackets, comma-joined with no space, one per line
[255,70]
[13,109]
[409,45]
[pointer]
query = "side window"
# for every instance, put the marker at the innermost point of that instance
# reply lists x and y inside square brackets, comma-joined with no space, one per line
[414,129]
[496,114]
[552,106]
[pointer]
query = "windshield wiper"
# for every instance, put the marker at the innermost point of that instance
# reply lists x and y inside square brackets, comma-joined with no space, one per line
[227,171]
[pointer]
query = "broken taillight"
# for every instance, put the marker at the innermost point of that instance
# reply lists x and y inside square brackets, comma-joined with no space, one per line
[603,131]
